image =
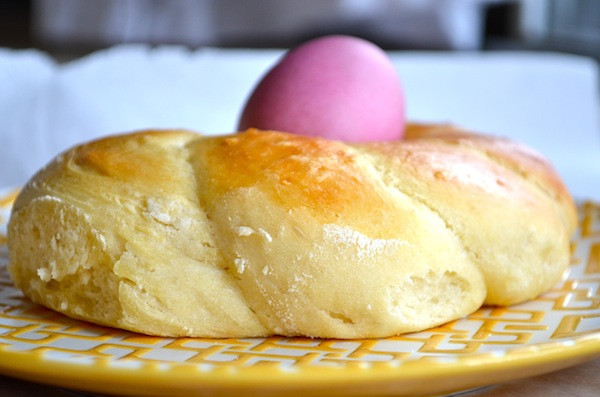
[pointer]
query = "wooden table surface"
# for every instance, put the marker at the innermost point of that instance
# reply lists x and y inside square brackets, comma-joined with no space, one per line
[582,380]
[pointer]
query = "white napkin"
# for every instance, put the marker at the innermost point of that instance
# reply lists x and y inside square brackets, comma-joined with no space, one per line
[548,101]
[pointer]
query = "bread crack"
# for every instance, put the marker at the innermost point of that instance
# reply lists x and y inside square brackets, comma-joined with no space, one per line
[539,174]
[194,160]
[339,316]
[376,170]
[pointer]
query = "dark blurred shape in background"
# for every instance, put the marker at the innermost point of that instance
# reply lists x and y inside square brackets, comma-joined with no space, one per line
[69,28]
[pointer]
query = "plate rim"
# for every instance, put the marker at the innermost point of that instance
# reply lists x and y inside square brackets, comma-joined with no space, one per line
[479,369]
[464,372]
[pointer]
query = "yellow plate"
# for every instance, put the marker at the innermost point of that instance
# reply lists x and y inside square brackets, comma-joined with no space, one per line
[559,329]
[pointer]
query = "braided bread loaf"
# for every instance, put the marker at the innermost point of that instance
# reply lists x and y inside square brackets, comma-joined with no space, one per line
[260,233]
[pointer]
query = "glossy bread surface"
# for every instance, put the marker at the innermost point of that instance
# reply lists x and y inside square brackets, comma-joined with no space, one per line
[260,233]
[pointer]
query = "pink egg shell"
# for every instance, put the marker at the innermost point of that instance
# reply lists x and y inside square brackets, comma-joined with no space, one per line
[337,87]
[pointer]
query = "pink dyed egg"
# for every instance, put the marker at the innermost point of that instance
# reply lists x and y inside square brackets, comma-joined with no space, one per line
[337,87]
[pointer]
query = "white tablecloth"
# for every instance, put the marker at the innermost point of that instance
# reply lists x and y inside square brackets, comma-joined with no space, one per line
[549,101]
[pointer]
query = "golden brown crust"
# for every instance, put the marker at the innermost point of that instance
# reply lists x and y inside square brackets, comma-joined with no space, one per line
[320,175]
[259,233]
[512,155]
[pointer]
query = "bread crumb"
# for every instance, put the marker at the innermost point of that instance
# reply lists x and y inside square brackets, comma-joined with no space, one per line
[155,211]
[265,234]
[240,264]
[244,231]
[168,213]
[265,270]
[43,274]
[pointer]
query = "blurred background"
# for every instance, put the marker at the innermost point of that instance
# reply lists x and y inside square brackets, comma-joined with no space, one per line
[71,28]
